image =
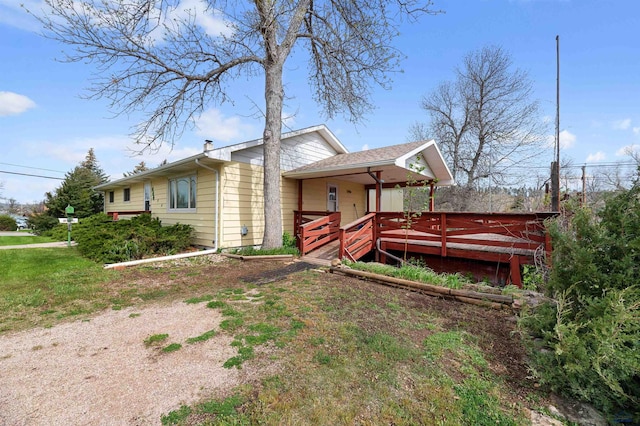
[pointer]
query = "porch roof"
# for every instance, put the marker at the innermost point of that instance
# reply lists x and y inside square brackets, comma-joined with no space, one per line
[391,162]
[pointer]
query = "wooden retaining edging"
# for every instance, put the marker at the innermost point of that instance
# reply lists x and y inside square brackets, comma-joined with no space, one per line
[495,301]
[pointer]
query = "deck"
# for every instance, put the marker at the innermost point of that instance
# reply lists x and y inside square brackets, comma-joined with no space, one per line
[514,239]
[323,255]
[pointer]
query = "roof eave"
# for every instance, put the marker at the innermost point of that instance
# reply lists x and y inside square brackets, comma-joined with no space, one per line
[158,171]
[341,168]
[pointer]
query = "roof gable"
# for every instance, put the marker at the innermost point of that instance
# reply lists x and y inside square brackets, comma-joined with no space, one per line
[394,162]
[224,154]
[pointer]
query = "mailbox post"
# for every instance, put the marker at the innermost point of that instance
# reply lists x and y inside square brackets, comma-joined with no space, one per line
[69,211]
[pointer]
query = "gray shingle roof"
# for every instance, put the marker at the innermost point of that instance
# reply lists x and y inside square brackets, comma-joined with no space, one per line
[378,155]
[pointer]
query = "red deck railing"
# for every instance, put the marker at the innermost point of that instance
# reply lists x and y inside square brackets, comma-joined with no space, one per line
[314,233]
[357,238]
[116,215]
[507,238]
[511,238]
[517,232]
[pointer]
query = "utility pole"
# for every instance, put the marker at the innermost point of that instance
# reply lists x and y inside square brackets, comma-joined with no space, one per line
[584,186]
[555,165]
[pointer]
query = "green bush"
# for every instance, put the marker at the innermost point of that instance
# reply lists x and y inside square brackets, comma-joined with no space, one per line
[7,223]
[288,240]
[592,334]
[44,224]
[103,240]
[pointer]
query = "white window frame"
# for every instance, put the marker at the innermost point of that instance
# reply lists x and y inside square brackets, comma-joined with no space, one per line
[191,198]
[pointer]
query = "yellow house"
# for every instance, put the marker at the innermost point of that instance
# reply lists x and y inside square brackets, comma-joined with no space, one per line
[219,191]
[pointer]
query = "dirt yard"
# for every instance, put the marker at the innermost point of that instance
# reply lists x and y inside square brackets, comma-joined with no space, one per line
[98,371]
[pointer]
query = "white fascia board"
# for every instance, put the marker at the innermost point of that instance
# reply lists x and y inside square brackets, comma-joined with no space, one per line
[434,160]
[402,160]
[338,169]
[138,177]
[224,153]
[332,139]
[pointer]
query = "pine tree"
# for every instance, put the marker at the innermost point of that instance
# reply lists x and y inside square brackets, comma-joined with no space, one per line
[77,190]
[139,168]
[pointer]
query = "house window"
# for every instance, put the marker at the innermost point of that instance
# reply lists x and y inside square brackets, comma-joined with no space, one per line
[111,196]
[127,194]
[182,193]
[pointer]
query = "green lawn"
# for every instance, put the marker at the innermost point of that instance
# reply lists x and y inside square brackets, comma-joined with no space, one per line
[344,352]
[45,280]
[327,349]
[14,241]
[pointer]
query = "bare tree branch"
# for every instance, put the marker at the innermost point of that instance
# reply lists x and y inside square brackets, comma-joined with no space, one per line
[485,120]
[169,60]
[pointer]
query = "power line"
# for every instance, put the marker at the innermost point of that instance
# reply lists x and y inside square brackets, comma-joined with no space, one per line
[34,168]
[31,175]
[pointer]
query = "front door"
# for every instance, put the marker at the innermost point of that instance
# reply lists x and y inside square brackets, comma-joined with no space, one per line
[332,198]
[147,196]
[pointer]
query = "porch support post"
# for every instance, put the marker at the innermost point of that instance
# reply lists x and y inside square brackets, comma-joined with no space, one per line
[432,201]
[378,191]
[297,221]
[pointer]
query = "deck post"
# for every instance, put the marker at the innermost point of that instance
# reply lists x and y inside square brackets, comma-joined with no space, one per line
[443,234]
[432,201]
[516,277]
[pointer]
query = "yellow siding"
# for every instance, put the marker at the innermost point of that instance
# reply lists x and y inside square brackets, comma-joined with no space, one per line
[243,201]
[203,219]
[289,203]
[136,202]
[352,197]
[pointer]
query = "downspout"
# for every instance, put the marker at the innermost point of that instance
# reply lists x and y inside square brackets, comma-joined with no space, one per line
[215,231]
[379,183]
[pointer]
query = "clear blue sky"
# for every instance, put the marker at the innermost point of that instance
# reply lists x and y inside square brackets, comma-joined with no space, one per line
[46,128]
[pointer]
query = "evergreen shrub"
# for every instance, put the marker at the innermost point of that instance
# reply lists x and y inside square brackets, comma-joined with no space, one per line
[7,223]
[103,240]
[588,343]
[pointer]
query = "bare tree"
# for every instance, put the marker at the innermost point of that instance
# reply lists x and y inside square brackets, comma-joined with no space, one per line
[485,120]
[170,61]
[13,206]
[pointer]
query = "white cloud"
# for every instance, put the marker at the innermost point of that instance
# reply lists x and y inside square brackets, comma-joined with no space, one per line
[365,147]
[211,20]
[212,124]
[636,130]
[13,13]
[288,120]
[598,156]
[14,104]
[567,139]
[627,150]
[621,124]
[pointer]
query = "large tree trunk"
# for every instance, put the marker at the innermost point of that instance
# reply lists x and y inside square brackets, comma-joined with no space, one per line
[274,94]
